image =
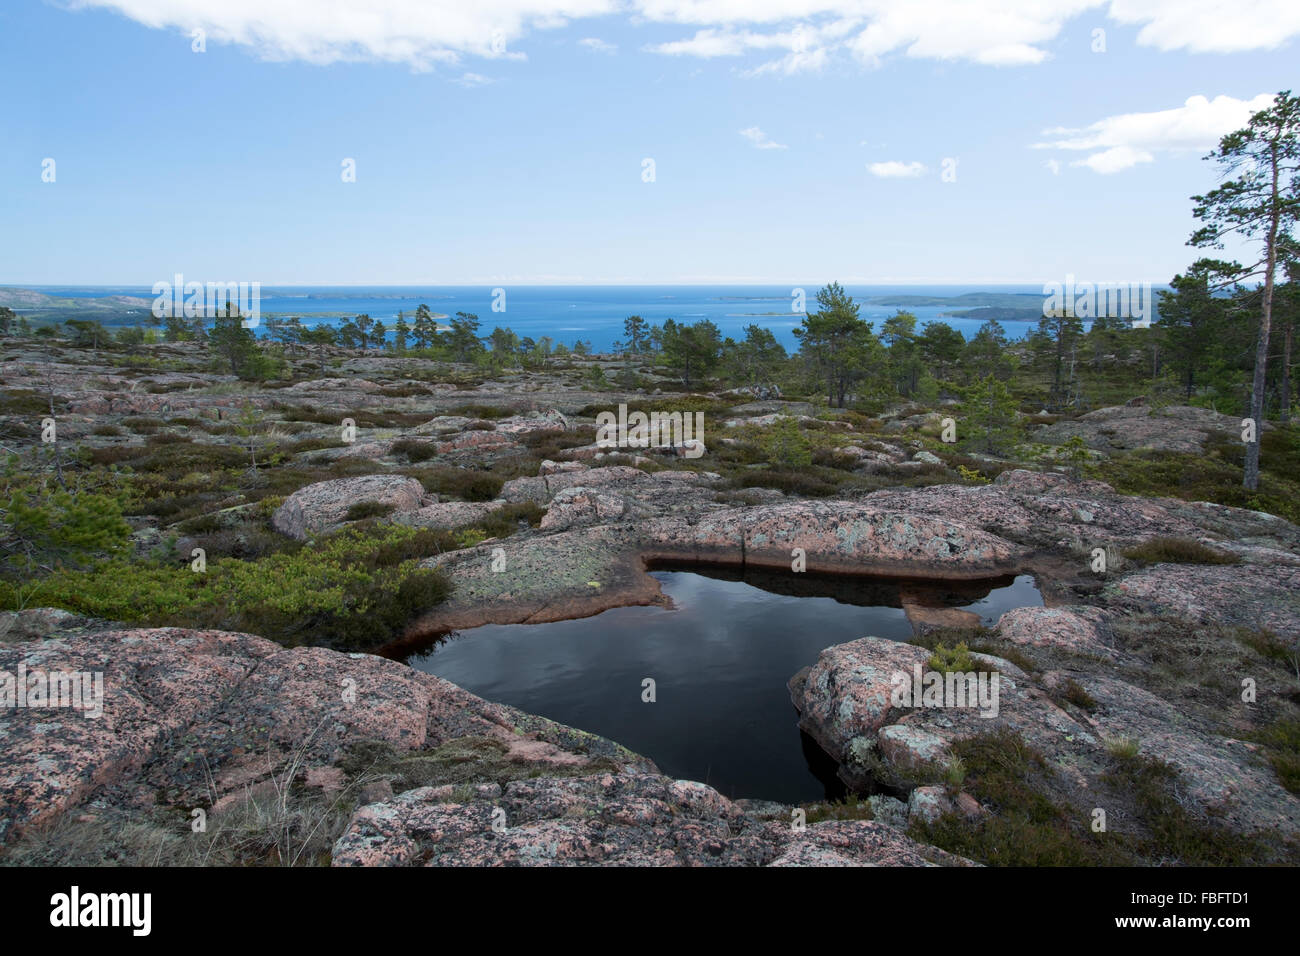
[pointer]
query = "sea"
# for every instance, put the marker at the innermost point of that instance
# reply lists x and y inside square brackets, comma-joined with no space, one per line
[594,313]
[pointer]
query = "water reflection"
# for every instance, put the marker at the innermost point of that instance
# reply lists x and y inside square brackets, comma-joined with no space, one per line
[720,660]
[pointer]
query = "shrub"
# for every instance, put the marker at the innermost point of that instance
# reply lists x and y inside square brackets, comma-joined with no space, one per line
[1075,694]
[463,483]
[1271,647]
[404,391]
[1171,831]
[785,445]
[852,807]
[972,476]
[506,520]
[1123,748]
[43,528]
[809,482]
[952,660]
[414,449]
[1178,551]
[1209,477]
[25,402]
[480,411]
[357,588]
[1027,827]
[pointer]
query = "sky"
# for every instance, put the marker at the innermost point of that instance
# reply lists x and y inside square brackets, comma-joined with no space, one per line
[619,141]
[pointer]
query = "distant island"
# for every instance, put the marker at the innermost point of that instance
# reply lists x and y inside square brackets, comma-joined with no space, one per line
[1032,301]
[108,309]
[997,314]
[119,310]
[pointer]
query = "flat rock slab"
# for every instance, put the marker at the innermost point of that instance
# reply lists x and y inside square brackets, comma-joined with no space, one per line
[627,819]
[836,537]
[155,684]
[1251,596]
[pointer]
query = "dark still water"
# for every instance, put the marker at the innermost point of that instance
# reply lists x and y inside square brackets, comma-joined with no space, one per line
[720,662]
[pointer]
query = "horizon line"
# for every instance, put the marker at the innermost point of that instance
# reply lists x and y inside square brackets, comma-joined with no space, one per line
[594,284]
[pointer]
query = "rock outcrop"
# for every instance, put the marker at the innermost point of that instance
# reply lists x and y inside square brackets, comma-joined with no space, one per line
[847,703]
[208,719]
[1175,428]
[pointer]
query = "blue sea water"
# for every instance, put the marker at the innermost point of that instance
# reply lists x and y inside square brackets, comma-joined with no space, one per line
[593,314]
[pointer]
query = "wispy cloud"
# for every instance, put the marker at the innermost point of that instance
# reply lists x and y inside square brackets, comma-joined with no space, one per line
[597,45]
[759,139]
[896,169]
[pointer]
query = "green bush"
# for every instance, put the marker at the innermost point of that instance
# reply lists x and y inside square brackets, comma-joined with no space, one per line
[357,588]
[42,528]
[785,445]
[952,660]
[1208,477]
[508,519]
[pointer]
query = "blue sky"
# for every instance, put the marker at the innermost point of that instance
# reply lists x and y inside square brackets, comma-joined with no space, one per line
[503,141]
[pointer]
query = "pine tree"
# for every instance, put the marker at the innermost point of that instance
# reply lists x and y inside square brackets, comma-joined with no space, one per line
[989,416]
[426,329]
[1261,204]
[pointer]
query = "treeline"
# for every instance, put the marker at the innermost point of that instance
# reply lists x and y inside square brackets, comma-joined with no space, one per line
[1199,351]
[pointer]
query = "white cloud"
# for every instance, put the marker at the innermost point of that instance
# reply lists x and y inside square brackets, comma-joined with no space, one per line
[1054,166]
[419,33]
[806,34]
[896,169]
[597,45]
[474,79]
[1115,159]
[990,32]
[759,139]
[706,44]
[1210,26]
[1126,140]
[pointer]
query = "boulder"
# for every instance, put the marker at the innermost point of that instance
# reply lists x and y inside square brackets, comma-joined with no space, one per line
[928,804]
[323,506]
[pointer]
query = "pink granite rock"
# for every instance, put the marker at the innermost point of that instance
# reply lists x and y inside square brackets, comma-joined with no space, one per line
[1055,627]
[578,506]
[324,505]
